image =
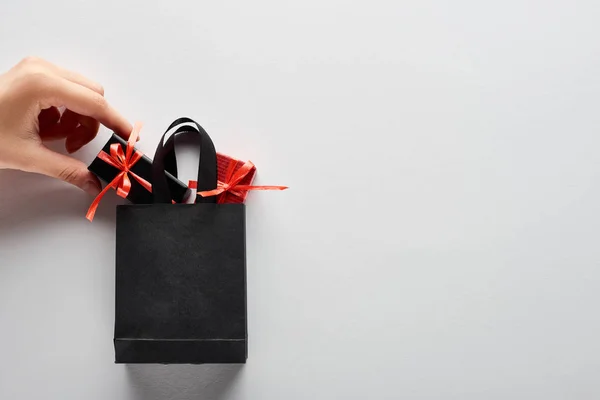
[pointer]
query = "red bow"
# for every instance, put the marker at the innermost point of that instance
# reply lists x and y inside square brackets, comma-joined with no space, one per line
[232,181]
[122,161]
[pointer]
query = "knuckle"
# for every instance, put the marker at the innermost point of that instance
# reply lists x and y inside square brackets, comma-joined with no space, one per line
[30,65]
[32,73]
[38,82]
[68,174]
[33,82]
[38,78]
[100,102]
[29,61]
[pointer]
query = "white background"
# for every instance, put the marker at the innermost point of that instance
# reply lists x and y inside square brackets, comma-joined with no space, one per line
[440,237]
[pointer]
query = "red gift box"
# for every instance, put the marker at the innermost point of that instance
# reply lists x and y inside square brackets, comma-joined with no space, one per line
[226,167]
[234,180]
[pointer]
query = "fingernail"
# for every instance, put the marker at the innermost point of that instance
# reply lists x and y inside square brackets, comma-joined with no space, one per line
[92,188]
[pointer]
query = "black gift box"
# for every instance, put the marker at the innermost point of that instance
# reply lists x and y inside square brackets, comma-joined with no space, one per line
[181,272]
[143,168]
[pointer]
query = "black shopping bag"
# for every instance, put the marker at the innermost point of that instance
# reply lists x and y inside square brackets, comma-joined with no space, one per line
[181,270]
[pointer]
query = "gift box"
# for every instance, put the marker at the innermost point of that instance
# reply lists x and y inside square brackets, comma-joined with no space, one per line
[108,169]
[237,173]
[181,270]
[226,168]
[235,179]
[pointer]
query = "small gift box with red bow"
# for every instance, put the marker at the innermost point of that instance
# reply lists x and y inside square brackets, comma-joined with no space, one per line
[235,179]
[227,168]
[124,168]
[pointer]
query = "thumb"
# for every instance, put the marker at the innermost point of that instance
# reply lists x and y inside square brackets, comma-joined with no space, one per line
[68,169]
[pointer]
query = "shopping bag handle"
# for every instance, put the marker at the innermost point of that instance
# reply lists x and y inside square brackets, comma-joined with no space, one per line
[165,160]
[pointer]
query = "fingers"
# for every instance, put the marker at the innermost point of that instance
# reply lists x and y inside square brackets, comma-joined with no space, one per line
[61,129]
[65,168]
[64,73]
[56,131]
[48,118]
[69,119]
[82,136]
[36,74]
[39,87]
[82,100]
[74,77]
[79,130]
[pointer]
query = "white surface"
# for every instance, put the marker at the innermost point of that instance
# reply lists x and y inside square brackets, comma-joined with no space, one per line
[440,238]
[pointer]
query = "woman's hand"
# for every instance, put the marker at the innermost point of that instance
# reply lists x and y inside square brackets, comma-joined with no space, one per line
[30,95]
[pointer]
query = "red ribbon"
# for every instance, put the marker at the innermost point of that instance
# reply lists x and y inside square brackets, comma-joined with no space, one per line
[123,161]
[232,180]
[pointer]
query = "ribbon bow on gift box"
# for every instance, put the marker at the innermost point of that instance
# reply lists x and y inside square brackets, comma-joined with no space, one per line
[232,182]
[122,161]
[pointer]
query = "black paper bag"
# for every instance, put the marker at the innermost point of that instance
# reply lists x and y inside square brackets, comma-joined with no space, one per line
[181,271]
